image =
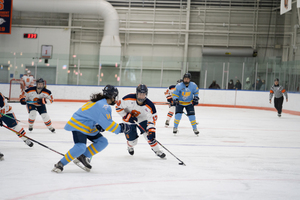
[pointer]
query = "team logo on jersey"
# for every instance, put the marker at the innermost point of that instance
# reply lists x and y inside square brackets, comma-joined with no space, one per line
[105,107]
[185,95]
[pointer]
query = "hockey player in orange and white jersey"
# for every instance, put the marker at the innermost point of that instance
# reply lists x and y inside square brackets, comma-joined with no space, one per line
[28,80]
[8,117]
[36,99]
[168,95]
[137,107]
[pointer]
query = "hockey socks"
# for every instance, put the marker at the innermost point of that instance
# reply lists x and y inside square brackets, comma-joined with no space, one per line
[192,119]
[177,119]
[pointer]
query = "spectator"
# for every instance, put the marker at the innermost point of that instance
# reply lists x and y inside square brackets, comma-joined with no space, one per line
[230,85]
[247,84]
[258,84]
[263,86]
[214,85]
[238,85]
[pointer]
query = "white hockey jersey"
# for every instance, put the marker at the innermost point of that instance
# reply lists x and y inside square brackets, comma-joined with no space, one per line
[147,111]
[5,108]
[28,80]
[32,95]
[169,91]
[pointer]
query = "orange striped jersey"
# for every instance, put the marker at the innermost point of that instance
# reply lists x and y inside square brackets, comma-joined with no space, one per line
[169,91]
[4,106]
[277,91]
[31,94]
[146,111]
[28,80]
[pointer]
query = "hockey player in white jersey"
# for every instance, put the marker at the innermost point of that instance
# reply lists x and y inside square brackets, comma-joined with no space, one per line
[138,108]
[36,99]
[28,80]
[8,117]
[168,94]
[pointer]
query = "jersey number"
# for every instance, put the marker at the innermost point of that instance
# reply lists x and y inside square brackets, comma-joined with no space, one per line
[135,113]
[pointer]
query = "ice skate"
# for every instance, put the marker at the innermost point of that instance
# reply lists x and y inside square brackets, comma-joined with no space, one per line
[59,167]
[1,156]
[52,130]
[130,150]
[196,132]
[28,142]
[30,128]
[167,123]
[175,130]
[83,162]
[279,115]
[160,154]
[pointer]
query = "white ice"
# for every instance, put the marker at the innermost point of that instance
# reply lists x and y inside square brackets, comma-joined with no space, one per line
[239,154]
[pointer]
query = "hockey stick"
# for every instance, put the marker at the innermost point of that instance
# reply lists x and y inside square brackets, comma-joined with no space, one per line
[31,101]
[32,140]
[181,162]
[10,117]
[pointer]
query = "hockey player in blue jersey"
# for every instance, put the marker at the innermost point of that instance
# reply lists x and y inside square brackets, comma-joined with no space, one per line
[87,123]
[186,96]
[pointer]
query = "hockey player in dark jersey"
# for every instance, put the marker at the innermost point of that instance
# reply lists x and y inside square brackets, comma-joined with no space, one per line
[36,99]
[138,108]
[87,123]
[278,91]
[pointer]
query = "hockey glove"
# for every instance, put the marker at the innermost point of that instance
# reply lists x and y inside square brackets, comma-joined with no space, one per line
[41,101]
[175,102]
[151,134]
[129,118]
[125,128]
[196,100]
[23,101]
[170,99]
[100,129]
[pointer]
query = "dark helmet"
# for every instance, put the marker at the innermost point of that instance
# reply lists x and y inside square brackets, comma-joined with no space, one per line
[276,79]
[187,75]
[40,80]
[179,80]
[110,92]
[141,88]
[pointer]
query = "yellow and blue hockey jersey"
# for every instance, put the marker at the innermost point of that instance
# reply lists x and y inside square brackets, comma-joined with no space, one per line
[90,114]
[185,94]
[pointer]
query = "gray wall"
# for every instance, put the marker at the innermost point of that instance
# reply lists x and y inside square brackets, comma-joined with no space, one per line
[22,53]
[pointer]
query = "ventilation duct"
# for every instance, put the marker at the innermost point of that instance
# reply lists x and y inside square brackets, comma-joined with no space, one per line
[110,48]
[236,52]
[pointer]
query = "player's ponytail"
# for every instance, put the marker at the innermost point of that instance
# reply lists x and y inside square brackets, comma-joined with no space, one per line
[96,97]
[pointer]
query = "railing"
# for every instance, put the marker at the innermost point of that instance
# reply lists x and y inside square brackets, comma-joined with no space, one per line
[153,71]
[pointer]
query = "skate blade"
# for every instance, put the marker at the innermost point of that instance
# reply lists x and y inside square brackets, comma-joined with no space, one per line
[79,164]
[56,170]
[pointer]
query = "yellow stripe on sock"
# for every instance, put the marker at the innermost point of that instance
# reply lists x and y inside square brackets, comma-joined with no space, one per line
[95,150]
[90,151]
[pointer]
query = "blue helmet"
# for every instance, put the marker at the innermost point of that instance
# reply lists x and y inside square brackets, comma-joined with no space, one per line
[141,88]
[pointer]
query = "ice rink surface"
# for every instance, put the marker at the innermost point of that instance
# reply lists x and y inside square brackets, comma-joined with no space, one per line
[239,154]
